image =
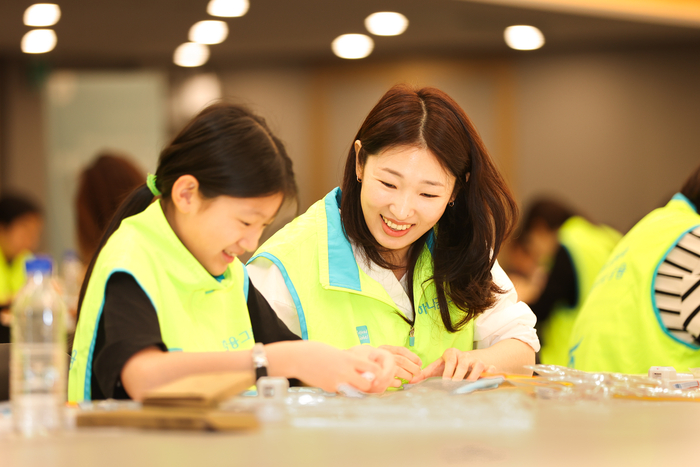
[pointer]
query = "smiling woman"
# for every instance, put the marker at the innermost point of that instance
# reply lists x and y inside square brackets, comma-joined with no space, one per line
[405,255]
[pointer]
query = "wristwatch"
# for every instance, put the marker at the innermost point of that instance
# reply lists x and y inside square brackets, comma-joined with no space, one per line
[259,360]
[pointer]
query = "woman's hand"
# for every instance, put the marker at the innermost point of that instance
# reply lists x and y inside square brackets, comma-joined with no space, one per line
[385,360]
[456,365]
[320,365]
[408,364]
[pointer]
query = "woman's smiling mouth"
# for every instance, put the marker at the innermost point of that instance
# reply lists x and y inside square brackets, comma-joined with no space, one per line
[393,229]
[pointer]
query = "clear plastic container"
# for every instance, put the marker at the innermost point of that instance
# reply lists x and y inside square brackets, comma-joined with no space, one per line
[38,353]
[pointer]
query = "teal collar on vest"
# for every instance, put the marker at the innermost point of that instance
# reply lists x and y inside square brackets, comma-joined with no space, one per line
[342,267]
[682,197]
[343,270]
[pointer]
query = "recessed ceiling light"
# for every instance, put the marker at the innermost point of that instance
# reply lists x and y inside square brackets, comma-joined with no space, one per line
[39,41]
[386,23]
[208,32]
[352,46]
[523,37]
[42,14]
[228,8]
[191,54]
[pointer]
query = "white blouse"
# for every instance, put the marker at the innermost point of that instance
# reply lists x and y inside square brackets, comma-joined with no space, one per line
[507,319]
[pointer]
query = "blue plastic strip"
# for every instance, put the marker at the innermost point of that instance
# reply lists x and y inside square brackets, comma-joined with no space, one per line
[653,282]
[87,390]
[292,291]
[342,267]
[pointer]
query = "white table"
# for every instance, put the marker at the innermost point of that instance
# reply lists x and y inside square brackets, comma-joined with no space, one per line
[499,427]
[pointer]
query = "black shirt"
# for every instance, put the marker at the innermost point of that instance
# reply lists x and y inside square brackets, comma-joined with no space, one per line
[561,288]
[129,324]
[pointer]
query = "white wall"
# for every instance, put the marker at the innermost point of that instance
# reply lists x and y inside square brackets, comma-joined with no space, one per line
[613,134]
[87,112]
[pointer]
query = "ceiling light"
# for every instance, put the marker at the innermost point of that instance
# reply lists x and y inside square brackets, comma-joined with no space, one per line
[228,8]
[38,41]
[352,46]
[42,14]
[191,54]
[386,23]
[523,37]
[208,32]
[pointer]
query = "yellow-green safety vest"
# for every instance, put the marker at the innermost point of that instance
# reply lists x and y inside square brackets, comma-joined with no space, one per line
[12,276]
[337,303]
[588,246]
[196,311]
[619,328]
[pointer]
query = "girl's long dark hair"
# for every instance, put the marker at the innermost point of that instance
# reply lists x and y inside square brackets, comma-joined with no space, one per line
[470,233]
[230,152]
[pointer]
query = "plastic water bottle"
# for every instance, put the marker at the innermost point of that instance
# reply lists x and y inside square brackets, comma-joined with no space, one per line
[38,353]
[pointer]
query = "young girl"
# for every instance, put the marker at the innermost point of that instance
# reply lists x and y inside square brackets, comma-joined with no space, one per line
[165,295]
[405,255]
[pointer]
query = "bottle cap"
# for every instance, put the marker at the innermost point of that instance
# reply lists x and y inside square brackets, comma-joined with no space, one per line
[40,263]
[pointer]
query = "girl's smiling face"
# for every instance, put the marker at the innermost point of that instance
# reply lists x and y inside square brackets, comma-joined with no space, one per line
[217,230]
[404,193]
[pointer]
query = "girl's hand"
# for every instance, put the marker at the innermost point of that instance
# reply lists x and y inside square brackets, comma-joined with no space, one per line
[456,365]
[385,360]
[408,364]
[320,365]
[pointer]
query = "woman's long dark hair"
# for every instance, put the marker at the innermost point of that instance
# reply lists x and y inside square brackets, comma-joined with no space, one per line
[230,152]
[469,233]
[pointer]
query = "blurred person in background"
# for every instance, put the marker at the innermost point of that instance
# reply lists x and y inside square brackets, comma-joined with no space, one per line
[21,223]
[553,262]
[644,308]
[103,185]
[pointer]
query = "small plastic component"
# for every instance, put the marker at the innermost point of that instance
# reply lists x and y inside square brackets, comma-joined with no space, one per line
[271,387]
[664,373]
[685,384]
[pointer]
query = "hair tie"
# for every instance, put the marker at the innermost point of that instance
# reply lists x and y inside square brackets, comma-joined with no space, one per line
[151,183]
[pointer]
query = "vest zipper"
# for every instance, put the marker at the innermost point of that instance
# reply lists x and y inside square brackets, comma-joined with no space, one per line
[411,338]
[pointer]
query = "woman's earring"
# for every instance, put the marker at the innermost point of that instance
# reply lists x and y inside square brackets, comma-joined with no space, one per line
[359,180]
[451,203]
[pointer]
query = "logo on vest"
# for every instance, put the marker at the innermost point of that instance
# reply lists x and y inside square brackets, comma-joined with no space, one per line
[363,334]
[426,306]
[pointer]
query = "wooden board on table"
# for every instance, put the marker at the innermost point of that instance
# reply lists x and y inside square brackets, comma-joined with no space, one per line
[200,391]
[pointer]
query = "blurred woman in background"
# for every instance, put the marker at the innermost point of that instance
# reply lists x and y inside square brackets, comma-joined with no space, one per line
[553,262]
[21,224]
[103,185]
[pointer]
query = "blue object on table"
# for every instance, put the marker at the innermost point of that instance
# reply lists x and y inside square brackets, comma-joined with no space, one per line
[483,383]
